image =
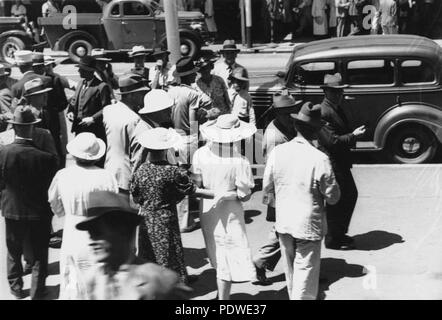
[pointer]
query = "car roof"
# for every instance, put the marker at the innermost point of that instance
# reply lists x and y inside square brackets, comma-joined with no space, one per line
[368,46]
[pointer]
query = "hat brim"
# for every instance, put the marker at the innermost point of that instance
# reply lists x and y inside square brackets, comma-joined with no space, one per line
[139,53]
[35,64]
[149,143]
[48,63]
[161,53]
[297,103]
[211,132]
[126,216]
[24,124]
[146,110]
[307,120]
[182,74]
[82,156]
[103,59]
[147,89]
[38,92]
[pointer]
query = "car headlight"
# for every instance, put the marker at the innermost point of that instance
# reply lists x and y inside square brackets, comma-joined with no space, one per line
[196,25]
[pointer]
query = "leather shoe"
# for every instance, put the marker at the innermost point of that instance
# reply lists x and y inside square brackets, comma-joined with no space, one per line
[18,294]
[190,228]
[261,278]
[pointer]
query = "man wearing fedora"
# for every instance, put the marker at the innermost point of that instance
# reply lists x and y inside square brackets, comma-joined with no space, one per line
[5,99]
[118,119]
[86,106]
[104,68]
[162,75]
[298,180]
[224,68]
[119,274]
[336,139]
[139,54]
[279,131]
[24,182]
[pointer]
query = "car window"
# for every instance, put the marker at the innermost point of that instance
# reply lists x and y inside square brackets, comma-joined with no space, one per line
[135,8]
[312,73]
[370,72]
[115,10]
[417,71]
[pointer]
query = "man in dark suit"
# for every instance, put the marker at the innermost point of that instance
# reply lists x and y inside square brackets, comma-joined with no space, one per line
[24,181]
[336,139]
[86,106]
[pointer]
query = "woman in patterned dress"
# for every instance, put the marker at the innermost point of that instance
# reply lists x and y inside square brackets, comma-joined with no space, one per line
[157,186]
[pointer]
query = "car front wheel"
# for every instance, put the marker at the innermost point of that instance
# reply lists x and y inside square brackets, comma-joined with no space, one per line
[9,47]
[412,144]
[78,49]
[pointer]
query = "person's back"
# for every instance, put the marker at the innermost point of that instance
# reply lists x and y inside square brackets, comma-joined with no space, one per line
[185,98]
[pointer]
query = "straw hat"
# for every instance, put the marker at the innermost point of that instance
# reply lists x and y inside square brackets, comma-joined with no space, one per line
[156,100]
[229,46]
[310,114]
[160,139]
[38,59]
[98,54]
[23,57]
[86,146]
[139,51]
[23,115]
[34,87]
[227,128]
[129,83]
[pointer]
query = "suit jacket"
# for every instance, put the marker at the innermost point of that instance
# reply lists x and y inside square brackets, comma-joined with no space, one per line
[5,107]
[57,102]
[25,175]
[18,88]
[90,103]
[335,138]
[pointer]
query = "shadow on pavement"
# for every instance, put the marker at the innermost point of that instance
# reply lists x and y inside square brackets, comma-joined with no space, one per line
[54,268]
[376,240]
[195,258]
[263,295]
[248,214]
[206,283]
[333,270]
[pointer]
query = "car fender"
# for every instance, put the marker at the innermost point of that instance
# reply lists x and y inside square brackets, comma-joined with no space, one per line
[424,114]
[64,40]
[182,31]
[19,34]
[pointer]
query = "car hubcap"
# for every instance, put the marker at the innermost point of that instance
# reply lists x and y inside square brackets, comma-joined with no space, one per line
[10,50]
[411,146]
[81,51]
[185,49]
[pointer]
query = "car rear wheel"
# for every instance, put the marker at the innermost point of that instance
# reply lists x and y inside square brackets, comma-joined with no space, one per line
[412,144]
[78,49]
[9,47]
[189,47]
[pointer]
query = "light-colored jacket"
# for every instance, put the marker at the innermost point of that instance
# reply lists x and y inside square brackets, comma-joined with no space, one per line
[298,180]
[387,12]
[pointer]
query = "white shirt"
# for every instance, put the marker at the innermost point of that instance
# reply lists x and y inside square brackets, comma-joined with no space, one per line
[299,178]
[222,69]
[119,120]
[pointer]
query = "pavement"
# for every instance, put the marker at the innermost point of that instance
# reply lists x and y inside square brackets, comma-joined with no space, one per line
[397,226]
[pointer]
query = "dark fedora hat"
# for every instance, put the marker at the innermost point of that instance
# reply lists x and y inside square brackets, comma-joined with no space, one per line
[206,60]
[23,115]
[88,63]
[38,59]
[284,100]
[130,83]
[159,52]
[309,114]
[107,204]
[333,81]
[229,46]
[239,73]
[184,67]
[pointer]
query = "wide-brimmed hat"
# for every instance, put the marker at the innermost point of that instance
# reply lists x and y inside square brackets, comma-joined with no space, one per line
[23,57]
[239,73]
[129,83]
[333,81]
[99,55]
[86,146]
[283,101]
[48,60]
[159,52]
[139,51]
[38,59]
[3,71]
[160,139]
[227,128]
[229,46]
[309,114]
[23,115]
[184,67]
[109,205]
[156,100]
[88,63]
[34,87]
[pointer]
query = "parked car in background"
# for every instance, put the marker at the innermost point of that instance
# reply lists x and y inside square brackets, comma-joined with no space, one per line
[394,88]
[123,24]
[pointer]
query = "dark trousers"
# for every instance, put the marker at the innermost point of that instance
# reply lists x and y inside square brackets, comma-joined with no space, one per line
[35,235]
[270,253]
[339,215]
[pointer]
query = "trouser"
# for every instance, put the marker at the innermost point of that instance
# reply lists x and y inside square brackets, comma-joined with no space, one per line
[339,215]
[34,234]
[270,253]
[389,29]
[340,28]
[302,263]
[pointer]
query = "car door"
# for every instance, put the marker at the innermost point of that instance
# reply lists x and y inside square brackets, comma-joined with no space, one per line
[372,90]
[112,26]
[138,24]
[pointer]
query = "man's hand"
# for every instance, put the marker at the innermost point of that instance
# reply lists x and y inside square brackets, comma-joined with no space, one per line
[359,131]
[87,121]
[70,116]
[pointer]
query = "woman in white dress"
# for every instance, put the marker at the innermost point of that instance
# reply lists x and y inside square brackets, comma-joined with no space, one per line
[220,168]
[69,198]
[319,14]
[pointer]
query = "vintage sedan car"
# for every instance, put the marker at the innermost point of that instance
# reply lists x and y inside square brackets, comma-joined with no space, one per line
[394,88]
[123,24]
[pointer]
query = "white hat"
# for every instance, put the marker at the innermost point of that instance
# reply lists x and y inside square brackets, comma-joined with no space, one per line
[160,139]
[49,60]
[98,54]
[139,51]
[34,87]
[86,146]
[227,128]
[23,57]
[156,100]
